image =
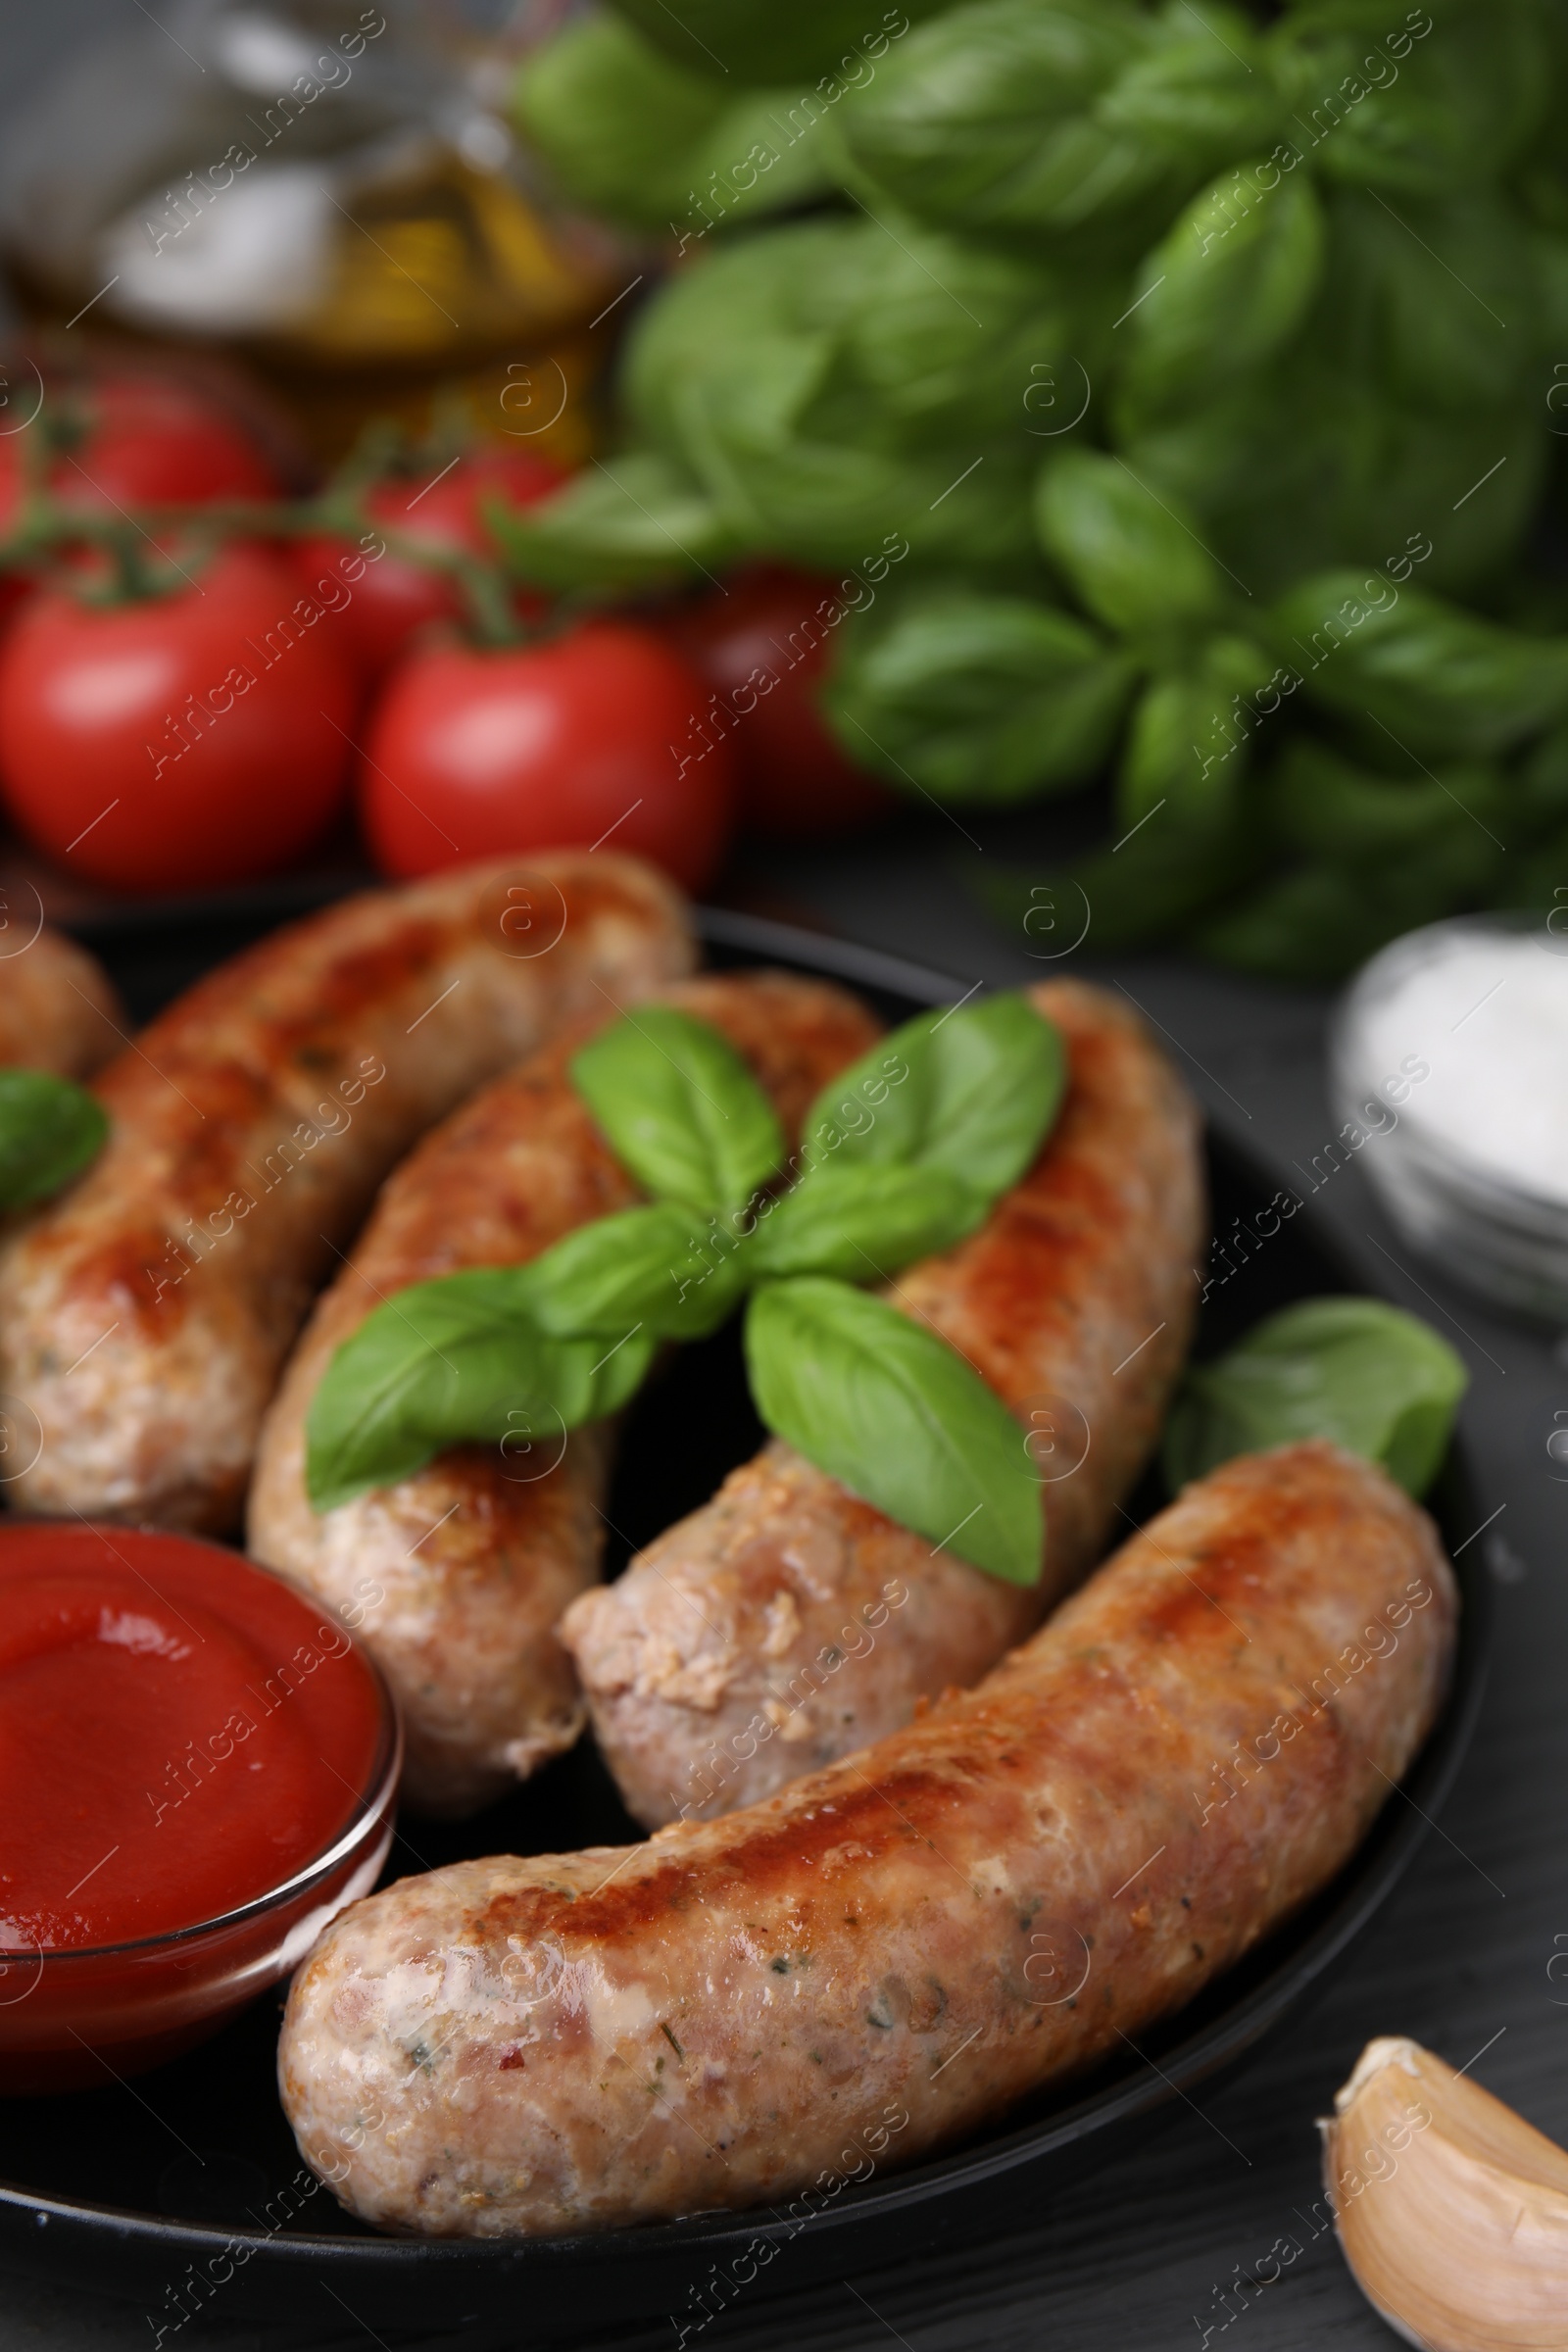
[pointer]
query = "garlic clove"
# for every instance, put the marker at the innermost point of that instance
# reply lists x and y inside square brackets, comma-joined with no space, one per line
[1452,2211]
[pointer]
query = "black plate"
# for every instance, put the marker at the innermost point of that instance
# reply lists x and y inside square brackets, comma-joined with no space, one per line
[168,2193]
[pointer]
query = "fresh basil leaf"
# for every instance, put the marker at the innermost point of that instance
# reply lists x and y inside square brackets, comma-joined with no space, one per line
[897,1416]
[49,1130]
[449,1362]
[985,120]
[971,1092]
[818,381]
[1436,677]
[657,1266]
[1451,110]
[1137,563]
[1403,318]
[1321,920]
[757,41]
[862,1223]
[975,696]
[1375,1380]
[680,1108]
[615,120]
[1220,293]
[1186,747]
[637,521]
[1199,94]
[1323,806]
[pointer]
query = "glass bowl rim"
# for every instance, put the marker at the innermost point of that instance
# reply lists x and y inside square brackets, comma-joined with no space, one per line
[375,1797]
[1486,1184]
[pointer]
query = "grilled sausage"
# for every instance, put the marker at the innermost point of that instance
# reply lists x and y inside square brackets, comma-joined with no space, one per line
[788,1623]
[57,1010]
[981,1906]
[457,1575]
[144,1317]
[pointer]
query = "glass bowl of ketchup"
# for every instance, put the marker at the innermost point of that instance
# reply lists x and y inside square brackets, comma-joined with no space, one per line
[198,1769]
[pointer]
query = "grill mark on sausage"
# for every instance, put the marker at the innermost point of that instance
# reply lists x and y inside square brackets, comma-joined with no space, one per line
[822,1940]
[521,1164]
[1082,1265]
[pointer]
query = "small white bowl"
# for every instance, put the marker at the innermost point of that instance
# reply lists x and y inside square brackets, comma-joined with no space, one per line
[1445,1052]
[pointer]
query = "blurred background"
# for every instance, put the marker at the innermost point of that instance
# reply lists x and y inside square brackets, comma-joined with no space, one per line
[1125,441]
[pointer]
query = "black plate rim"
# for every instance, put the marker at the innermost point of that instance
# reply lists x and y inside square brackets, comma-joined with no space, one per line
[1366,1882]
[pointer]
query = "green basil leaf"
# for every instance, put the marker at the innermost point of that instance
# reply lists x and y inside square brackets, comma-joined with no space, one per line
[49,1130]
[637,521]
[974,696]
[862,1223]
[896,1415]
[615,120]
[1225,289]
[984,120]
[1386,107]
[757,41]
[1435,677]
[1137,563]
[657,1266]
[1322,804]
[828,332]
[972,1091]
[1186,747]
[460,1360]
[680,1108]
[836,406]
[1319,920]
[1199,95]
[1375,1380]
[1403,316]
[631,133]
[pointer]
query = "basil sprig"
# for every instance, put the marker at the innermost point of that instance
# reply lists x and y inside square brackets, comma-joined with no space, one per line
[1375,1380]
[902,1156]
[49,1130]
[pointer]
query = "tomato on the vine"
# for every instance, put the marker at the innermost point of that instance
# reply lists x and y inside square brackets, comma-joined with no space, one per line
[593,736]
[151,442]
[176,742]
[145,441]
[398,595]
[761,644]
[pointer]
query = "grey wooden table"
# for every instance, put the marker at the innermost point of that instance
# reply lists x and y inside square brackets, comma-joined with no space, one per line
[1143,2253]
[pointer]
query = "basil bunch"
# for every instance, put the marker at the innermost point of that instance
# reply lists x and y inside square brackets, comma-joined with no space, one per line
[902,1156]
[49,1130]
[1135,327]
[1376,1381]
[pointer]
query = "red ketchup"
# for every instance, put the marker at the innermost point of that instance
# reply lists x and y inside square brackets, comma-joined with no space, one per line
[183,1738]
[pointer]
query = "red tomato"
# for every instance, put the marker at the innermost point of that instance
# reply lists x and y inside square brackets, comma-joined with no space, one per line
[153,443]
[178,743]
[147,442]
[594,736]
[397,597]
[794,778]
